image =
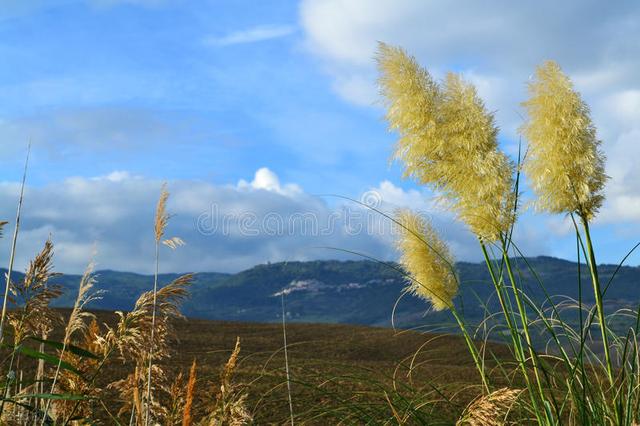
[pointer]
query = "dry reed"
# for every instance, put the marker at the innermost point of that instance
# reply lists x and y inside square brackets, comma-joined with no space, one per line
[187,418]
[490,410]
[229,406]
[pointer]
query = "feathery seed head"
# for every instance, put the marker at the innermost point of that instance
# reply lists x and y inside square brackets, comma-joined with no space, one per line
[411,97]
[448,141]
[478,177]
[2,224]
[80,319]
[229,406]
[428,261]
[40,268]
[174,242]
[162,217]
[565,163]
[187,418]
[132,334]
[230,366]
[490,410]
[34,295]
[176,401]
[133,339]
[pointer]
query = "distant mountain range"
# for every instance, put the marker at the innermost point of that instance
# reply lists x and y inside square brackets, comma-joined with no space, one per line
[353,292]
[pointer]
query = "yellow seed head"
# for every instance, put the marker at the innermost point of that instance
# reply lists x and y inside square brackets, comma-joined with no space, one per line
[161,213]
[428,261]
[490,410]
[565,163]
[448,141]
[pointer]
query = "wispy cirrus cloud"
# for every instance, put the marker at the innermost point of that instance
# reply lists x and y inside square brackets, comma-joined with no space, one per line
[251,35]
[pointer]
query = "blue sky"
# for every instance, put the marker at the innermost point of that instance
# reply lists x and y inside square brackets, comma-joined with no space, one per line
[261,106]
[158,91]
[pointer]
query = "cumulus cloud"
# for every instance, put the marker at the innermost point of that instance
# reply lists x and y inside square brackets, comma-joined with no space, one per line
[497,45]
[251,35]
[267,180]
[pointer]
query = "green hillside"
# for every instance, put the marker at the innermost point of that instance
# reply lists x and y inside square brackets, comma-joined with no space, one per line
[352,292]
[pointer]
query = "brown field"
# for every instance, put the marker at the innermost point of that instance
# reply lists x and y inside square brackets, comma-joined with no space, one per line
[338,372]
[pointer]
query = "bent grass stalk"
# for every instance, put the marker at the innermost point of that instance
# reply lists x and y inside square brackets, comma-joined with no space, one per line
[477,358]
[159,227]
[468,339]
[13,246]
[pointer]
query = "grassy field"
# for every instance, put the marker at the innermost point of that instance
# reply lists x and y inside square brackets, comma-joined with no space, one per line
[352,374]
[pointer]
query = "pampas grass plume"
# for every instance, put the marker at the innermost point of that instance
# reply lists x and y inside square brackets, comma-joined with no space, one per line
[162,217]
[565,163]
[448,141]
[428,261]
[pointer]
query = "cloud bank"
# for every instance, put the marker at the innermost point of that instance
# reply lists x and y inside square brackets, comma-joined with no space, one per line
[227,227]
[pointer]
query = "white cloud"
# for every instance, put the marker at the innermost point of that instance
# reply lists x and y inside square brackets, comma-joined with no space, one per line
[464,245]
[495,34]
[226,227]
[560,225]
[252,35]
[496,45]
[116,176]
[267,180]
[625,107]
[356,88]
[398,197]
